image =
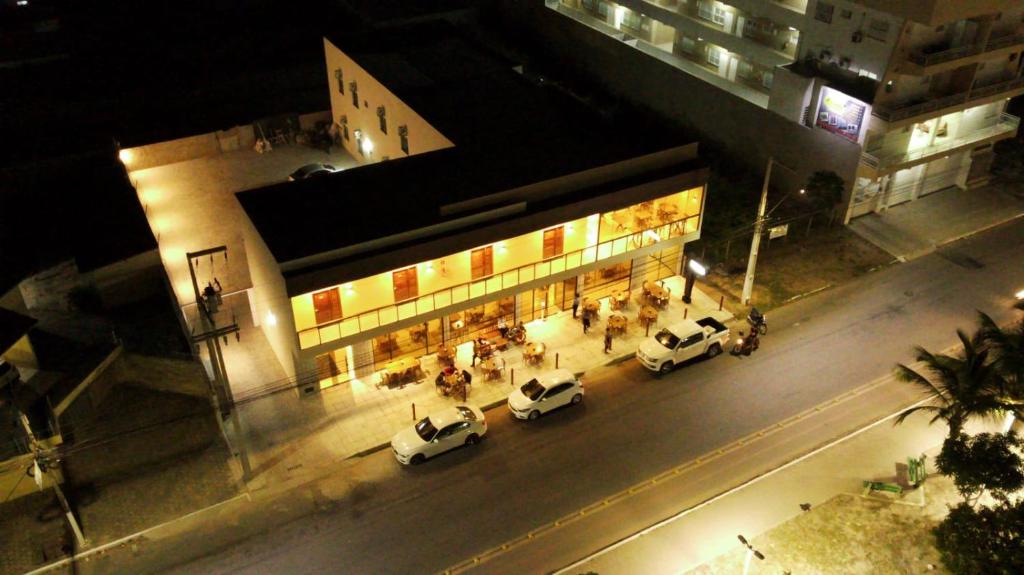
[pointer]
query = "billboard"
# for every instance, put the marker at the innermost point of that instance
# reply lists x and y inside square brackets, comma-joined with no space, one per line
[841,114]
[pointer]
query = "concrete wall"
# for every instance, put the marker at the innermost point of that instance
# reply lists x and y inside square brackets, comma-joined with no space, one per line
[749,133]
[270,302]
[871,53]
[422,137]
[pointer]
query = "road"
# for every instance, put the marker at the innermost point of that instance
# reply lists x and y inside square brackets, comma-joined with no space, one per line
[379,518]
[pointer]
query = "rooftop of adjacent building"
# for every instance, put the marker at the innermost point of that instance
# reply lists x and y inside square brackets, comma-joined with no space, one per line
[508,130]
[82,208]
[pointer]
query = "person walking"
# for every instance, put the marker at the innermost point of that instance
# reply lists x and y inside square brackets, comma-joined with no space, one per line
[586,322]
[607,341]
[575,305]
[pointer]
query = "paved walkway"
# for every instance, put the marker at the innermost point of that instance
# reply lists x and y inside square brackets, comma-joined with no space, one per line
[697,536]
[913,229]
[289,437]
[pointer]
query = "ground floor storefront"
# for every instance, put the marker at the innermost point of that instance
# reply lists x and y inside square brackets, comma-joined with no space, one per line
[365,360]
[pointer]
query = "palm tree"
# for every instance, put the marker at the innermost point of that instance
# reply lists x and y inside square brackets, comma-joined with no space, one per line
[1007,347]
[964,387]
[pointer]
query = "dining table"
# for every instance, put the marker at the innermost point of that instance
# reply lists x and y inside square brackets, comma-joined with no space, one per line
[617,323]
[446,353]
[534,352]
[620,299]
[592,307]
[492,367]
[401,371]
[647,314]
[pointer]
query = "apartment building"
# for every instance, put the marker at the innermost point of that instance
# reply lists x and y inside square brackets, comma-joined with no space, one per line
[482,195]
[918,88]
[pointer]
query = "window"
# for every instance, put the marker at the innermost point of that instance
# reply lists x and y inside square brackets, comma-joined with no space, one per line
[403,135]
[359,142]
[560,388]
[687,44]
[405,284]
[823,12]
[554,242]
[632,20]
[744,69]
[382,116]
[712,11]
[482,262]
[355,93]
[344,126]
[340,77]
[767,79]
[714,56]
[327,305]
[695,338]
[878,29]
[602,8]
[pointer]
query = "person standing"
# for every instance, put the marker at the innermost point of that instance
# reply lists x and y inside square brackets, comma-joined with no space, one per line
[586,322]
[575,305]
[607,341]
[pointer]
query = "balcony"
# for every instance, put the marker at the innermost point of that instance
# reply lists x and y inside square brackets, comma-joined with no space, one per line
[913,111]
[463,294]
[935,60]
[1004,126]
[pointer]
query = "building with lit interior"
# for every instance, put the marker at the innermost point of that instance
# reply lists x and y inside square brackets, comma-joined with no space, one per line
[482,194]
[911,95]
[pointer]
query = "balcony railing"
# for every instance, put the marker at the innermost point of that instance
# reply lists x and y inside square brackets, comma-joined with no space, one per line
[895,113]
[949,54]
[346,327]
[1004,124]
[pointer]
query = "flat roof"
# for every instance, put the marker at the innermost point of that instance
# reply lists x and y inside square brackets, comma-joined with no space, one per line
[508,132]
[82,207]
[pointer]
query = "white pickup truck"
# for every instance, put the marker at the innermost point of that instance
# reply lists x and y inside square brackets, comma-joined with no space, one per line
[682,341]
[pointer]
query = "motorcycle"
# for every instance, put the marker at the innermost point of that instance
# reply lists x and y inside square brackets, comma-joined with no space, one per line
[758,322]
[746,345]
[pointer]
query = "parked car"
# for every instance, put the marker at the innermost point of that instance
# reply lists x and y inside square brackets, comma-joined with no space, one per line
[544,393]
[681,342]
[439,432]
[310,170]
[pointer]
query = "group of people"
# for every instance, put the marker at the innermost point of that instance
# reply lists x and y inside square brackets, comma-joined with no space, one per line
[586,321]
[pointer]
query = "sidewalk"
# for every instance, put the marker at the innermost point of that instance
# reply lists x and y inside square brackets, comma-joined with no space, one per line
[846,532]
[290,437]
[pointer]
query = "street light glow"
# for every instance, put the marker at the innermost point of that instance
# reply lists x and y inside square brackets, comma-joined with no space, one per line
[697,268]
[125,156]
[1019,295]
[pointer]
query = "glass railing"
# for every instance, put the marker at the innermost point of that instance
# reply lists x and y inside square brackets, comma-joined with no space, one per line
[463,293]
[1004,124]
[896,112]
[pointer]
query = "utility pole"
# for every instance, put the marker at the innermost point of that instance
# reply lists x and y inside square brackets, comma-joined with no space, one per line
[211,335]
[755,244]
[41,463]
[762,217]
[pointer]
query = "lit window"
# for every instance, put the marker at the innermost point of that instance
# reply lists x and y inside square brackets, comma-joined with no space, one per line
[712,11]
[714,56]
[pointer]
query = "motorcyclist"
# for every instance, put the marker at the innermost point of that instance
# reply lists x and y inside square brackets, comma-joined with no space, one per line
[756,320]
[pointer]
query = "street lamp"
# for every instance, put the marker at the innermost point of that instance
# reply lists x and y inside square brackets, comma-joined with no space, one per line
[762,217]
[751,553]
[693,269]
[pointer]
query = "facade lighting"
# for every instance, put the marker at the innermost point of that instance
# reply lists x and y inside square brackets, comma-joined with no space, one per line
[697,268]
[271,319]
[125,156]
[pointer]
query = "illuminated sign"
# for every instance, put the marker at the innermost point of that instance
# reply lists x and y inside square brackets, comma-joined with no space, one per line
[841,114]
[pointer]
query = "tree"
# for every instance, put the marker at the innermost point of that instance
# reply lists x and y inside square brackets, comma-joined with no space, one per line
[1007,348]
[964,387]
[985,540]
[984,462]
[824,190]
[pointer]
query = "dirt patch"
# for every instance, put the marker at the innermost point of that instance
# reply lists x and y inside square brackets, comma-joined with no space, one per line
[796,265]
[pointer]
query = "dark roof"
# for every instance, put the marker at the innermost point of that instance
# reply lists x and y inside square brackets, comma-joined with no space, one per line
[508,132]
[390,12]
[13,326]
[82,207]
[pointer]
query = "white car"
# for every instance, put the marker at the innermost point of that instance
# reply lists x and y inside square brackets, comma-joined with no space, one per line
[439,432]
[544,393]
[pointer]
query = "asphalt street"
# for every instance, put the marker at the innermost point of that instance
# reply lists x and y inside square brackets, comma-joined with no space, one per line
[380,518]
